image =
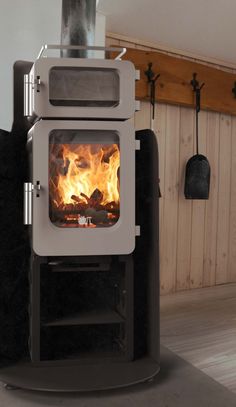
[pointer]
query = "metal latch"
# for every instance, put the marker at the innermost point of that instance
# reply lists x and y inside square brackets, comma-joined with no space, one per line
[36,84]
[137,144]
[137,230]
[28,199]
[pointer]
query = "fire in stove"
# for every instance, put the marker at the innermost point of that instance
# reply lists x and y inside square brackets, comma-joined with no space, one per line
[84,184]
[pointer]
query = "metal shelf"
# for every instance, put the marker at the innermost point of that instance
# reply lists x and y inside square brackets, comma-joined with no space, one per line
[94,317]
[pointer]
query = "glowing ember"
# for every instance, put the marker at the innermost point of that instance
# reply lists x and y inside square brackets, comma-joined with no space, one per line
[84,184]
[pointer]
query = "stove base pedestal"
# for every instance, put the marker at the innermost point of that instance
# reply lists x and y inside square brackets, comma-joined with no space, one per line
[79,377]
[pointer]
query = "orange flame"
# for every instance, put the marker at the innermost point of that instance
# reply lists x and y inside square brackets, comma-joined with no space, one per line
[82,169]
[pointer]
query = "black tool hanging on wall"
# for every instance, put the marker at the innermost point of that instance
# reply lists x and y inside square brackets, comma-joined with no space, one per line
[197,175]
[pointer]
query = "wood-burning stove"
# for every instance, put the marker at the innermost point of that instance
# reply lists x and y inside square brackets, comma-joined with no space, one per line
[91,203]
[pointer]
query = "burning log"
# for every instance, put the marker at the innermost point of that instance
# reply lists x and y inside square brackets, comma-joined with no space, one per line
[95,199]
[111,206]
[76,198]
[97,196]
[95,202]
[85,196]
[69,207]
[80,207]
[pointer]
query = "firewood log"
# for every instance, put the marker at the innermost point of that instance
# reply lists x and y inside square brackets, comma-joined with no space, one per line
[97,196]
[76,198]
[85,196]
[95,199]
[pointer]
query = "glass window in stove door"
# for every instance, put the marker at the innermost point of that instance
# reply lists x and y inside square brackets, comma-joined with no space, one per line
[90,87]
[84,178]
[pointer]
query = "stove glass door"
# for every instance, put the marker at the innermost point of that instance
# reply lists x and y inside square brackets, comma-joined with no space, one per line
[84,178]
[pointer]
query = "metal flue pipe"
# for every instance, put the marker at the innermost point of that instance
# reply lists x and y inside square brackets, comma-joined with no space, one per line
[78,26]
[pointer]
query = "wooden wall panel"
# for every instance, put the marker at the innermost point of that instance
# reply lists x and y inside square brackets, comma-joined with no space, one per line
[184,205]
[197,238]
[198,218]
[142,118]
[232,213]
[213,134]
[160,131]
[222,249]
[170,211]
[174,86]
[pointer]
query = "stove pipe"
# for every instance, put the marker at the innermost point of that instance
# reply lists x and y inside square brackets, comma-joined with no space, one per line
[78,26]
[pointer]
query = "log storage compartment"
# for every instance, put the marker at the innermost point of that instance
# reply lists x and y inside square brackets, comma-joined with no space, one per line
[89,306]
[91,343]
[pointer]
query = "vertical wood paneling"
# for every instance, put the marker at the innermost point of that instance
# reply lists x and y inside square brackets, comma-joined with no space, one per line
[209,276]
[222,248]
[197,238]
[170,215]
[198,217]
[160,131]
[142,118]
[232,231]
[184,205]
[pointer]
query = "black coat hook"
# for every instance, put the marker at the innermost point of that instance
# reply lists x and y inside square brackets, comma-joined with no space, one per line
[197,89]
[152,78]
[234,89]
[149,72]
[195,84]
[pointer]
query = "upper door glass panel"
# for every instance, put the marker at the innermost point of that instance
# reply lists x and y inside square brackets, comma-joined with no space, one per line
[91,87]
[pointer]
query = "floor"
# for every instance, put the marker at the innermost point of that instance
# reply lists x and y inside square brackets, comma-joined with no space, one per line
[179,384]
[200,326]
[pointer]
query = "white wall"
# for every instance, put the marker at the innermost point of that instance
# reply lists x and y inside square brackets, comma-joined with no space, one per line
[25,25]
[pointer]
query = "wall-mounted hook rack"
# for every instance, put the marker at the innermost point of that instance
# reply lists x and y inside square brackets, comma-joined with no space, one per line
[173,87]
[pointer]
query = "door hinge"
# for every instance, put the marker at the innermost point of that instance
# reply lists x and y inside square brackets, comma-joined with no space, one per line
[28,200]
[30,85]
